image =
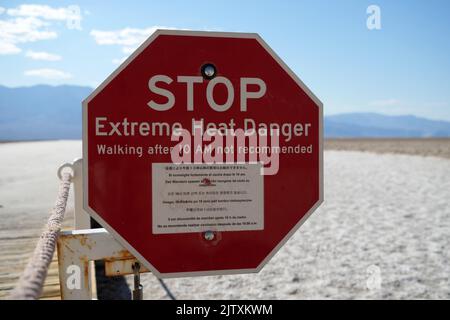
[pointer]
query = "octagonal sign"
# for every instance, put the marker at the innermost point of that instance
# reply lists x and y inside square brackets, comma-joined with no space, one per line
[202,153]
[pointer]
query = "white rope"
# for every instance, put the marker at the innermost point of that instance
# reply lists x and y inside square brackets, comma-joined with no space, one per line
[32,280]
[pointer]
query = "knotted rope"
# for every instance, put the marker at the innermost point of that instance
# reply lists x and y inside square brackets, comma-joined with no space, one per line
[32,280]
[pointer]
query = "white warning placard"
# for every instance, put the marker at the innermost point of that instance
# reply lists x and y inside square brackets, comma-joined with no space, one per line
[202,197]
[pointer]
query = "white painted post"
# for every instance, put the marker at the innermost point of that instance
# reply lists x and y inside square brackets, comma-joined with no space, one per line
[75,250]
[82,219]
[79,248]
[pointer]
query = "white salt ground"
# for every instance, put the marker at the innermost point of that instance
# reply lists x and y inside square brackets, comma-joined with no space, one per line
[382,232]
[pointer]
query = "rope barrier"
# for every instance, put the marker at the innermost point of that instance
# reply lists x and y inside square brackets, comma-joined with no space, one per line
[32,280]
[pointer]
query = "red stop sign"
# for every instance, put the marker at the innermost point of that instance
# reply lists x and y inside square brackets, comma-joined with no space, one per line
[201,218]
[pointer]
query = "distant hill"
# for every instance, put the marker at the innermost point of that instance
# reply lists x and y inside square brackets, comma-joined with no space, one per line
[41,112]
[54,112]
[379,126]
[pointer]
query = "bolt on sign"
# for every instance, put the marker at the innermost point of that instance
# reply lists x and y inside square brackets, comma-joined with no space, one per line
[202,153]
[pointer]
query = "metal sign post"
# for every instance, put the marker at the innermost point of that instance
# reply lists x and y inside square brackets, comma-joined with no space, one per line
[78,248]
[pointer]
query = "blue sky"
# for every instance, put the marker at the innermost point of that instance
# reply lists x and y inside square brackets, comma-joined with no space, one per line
[402,68]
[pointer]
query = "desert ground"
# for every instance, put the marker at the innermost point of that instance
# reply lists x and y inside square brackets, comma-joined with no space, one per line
[433,147]
[383,231]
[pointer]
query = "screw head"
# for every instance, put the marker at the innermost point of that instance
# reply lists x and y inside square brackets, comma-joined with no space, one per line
[209,235]
[208,71]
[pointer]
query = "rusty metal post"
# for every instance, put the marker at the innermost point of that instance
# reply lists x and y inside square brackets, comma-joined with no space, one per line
[138,293]
[75,250]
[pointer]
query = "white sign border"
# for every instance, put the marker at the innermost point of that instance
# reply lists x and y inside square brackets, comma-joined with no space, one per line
[116,235]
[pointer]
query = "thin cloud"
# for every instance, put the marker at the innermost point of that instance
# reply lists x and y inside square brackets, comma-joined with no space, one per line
[41,55]
[50,74]
[119,61]
[125,37]
[45,12]
[9,48]
[128,38]
[22,30]
[2,10]
[30,23]
[128,50]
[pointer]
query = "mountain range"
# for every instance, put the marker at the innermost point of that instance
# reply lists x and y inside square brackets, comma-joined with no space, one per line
[54,112]
[41,112]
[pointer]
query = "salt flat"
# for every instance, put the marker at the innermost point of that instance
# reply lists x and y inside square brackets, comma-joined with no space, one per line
[382,232]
